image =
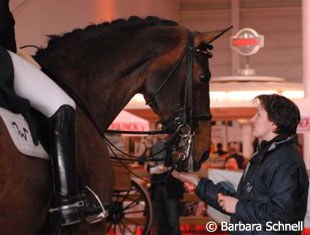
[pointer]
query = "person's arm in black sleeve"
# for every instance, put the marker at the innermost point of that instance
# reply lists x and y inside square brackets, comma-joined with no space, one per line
[207,191]
[7,23]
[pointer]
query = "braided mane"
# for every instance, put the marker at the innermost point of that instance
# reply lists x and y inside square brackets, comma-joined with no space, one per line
[80,35]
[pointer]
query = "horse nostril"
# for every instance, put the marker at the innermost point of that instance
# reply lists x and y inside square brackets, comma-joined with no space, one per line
[204,156]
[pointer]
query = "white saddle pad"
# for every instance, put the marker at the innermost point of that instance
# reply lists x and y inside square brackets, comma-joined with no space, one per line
[20,134]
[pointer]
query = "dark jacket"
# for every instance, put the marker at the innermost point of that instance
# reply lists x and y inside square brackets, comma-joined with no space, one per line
[174,189]
[273,188]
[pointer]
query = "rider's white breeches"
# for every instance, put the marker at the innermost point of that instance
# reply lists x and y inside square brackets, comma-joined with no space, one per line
[32,84]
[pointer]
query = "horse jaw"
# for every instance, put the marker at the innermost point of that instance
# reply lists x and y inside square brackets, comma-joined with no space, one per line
[202,144]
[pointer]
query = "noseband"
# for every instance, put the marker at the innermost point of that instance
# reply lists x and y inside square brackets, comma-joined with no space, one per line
[184,124]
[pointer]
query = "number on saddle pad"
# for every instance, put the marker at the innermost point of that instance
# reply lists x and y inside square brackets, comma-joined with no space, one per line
[20,134]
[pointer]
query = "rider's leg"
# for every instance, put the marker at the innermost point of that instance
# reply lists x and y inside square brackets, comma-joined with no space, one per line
[30,83]
[48,98]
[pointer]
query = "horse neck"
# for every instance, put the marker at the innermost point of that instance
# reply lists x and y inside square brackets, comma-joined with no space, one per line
[106,73]
[104,94]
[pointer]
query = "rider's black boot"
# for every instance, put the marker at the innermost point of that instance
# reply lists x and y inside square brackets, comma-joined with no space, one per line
[68,200]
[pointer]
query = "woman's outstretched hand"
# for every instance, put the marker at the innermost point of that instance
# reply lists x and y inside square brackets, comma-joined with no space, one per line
[186,177]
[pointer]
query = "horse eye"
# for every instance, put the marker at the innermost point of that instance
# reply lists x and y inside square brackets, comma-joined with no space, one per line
[204,78]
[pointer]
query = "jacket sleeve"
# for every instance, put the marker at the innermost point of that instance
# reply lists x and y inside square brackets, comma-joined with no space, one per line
[287,199]
[207,191]
[7,32]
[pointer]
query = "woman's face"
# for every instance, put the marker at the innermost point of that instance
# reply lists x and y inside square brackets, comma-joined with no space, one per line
[262,127]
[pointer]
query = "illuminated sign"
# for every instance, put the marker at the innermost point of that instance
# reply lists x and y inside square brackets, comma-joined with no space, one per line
[247,42]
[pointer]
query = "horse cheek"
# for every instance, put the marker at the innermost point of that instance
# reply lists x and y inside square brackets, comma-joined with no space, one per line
[202,141]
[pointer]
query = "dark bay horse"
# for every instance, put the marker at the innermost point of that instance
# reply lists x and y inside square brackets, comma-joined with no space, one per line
[104,66]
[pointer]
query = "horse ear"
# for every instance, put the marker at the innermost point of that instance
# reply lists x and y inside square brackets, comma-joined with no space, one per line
[209,37]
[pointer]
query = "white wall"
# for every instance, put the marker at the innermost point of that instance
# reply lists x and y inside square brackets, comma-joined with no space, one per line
[282,54]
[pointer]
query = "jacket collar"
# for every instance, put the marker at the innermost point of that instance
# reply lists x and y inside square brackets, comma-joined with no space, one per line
[266,147]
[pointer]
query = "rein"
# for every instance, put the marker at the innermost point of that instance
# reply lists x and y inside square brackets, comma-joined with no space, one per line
[142,159]
[137,132]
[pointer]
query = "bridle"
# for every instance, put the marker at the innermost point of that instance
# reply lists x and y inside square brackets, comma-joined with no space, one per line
[188,116]
[183,124]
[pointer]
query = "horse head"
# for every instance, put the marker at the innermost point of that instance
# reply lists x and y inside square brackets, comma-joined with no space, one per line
[179,93]
[107,64]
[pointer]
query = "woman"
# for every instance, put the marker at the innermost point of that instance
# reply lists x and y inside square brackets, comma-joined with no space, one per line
[274,187]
